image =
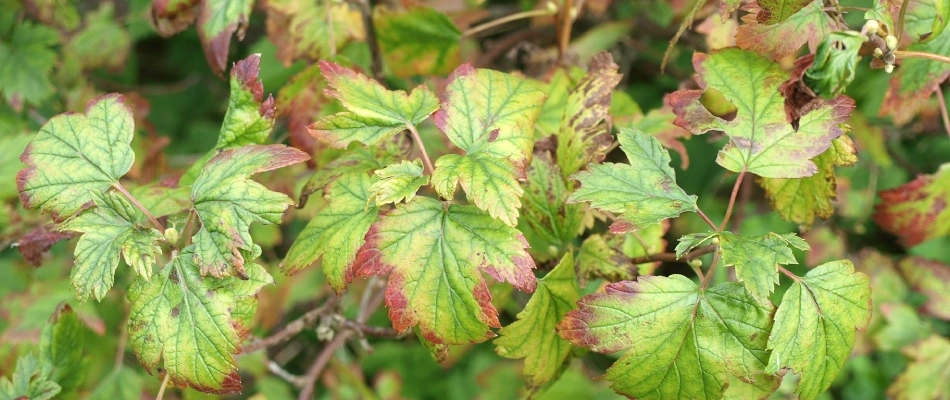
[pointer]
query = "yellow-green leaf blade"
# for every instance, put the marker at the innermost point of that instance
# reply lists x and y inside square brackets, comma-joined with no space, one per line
[420,41]
[489,182]
[398,182]
[756,259]
[584,135]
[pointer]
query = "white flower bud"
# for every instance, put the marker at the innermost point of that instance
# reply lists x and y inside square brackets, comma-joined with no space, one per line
[889,68]
[878,53]
[891,42]
[871,27]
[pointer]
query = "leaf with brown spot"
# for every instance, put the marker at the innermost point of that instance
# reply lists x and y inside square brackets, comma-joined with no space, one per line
[917,211]
[584,136]
[35,243]
[808,25]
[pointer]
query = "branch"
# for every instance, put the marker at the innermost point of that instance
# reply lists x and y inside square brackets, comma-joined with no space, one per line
[671,257]
[705,218]
[504,20]
[920,54]
[732,200]
[375,53]
[118,186]
[943,110]
[789,274]
[293,328]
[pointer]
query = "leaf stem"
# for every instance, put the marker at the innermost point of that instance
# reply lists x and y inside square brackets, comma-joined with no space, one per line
[422,148]
[900,21]
[732,200]
[943,110]
[789,274]
[705,218]
[186,230]
[504,20]
[921,54]
[118,186]
[711,271]
[687,21]
[671,257]
[161,389]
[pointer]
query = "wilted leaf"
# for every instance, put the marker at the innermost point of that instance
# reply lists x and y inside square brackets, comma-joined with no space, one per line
[434,256]
[776,11]
[218,20]
[923,378]
[815,325]
[917,211]
[932,279]
[756,259]
[35,243]
[398,182]
[172,16]
[532,336]
[25,64]
[680,341]
[420,41]
[761,141]
[307,30]
[584,135]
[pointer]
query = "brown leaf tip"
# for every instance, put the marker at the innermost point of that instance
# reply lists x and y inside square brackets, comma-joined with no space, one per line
[246,72]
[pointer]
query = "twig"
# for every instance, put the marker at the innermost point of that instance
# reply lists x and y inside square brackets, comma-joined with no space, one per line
[712,269]
[921,54]
[161,389]
[900,21]
[504,20]
[789,274]
[732,200]
[118,186]
[943,110]
[705,218]
[293,328]
[375,53]
[375,331]
[422,148]
[687,21]
[565,22]
[282,373]
[671,257]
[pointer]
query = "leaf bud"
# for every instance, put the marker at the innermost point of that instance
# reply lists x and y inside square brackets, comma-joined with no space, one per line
[695,263]
[715,241]
[552,8]
[889,68]
[171,235]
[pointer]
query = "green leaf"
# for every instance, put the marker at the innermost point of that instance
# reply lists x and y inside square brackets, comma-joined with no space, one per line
[121,383]
[227,202]
[375,114]
[300,30]
[924,376]
[63,171]
[61,347]
[102,42]
[763,387]
[584,135]
[420,41]
[187,320]
[932,279]
[761,140]
[25,64]
[13,145]
[816,322]
[557,89]
[60,14]
[835,63]
[917,211]
[641,193]
[532,336]
[249,118]
[941,18]
[30,380]
[776,11]
[680,341]
[610,256]
[218,20]
[355,160]
[108,231]
[398,182]
[434,255]
[801,200]
[691,241]
[336,233]
[490,182]
[808,25]
[547,221]
[756,259]
[904,327]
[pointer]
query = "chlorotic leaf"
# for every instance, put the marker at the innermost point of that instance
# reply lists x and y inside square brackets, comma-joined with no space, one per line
[809,25]
[30,380]
[610,256]
[75,155]
[61,347]
[761,141]
[816,322]
[35,243]
[227,202]
[776,11]
[641,193]
[375,114]
[756,259]
[917,211]
[26,60]
[557,88]
[924,376]
[102,42]
[691,241]
[108,232]
[218,20]
[420,41]
[547,221]
[679,341]
[13,145]
[357,159]
[532,336]
[187,320]
[311,30]
[490,182]
[434,255]
[801,200]
[398,182]
[584,135]
[932,279]
[336,232]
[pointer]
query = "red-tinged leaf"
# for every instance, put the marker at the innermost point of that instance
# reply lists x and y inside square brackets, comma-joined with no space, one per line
[584,135]
[301,31]
[38,241]
[917,211]
[218,20]
[808,25]
[932,279]
[300,101]
[172,16]
[776,11]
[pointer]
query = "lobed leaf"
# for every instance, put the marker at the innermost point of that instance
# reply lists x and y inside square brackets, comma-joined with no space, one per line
[61,348]
[218,20]
[917,211]
[420,41]
[809,25]
[816,322]
[227,202]
[398,182]
[932,279]
[30,380]
[490,182]
[547,221]
[102,42]
[756,259]
[584,135]
[26,61]
[924,376]
[301,31]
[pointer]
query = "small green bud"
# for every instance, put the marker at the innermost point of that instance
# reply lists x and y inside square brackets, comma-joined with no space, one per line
[715,241]
[695,263]
[552,8]
[878,53]
[891,42]
[171,235]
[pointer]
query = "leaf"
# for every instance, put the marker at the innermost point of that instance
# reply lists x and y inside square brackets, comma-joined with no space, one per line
[941,19]
[218,20]
[904,327]
[13,145]
[121,383]
[691,241]
[816,322]
[63,171]
[307,30]
[35,243]
[186,320]
[835,63]
[25,64]
[61,347]
[761,140]
[102,42]
[302,101]
[547,221]
[924,376]
[227,202]
[808,25]
[917,78]
[584,135]
[610,256]
[375,114]
[532,335]
[172,16]
[356,159]
[108,231]
[659,124]
[420,41]
[336,233]
[801,200]
[60,14]
[761,389]
[756,259]
[680,341]
[434,255]
[917,211]
[490,182]
[552,112]
[398,182]
[641,193]
[932,279]
[776,11]
[30,380]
